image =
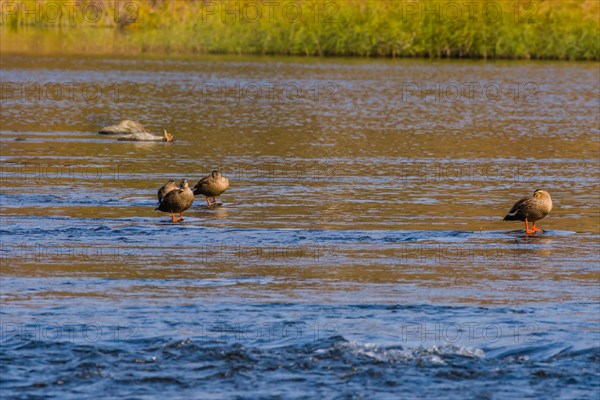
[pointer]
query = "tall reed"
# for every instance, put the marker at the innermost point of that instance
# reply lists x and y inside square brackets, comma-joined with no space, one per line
[510,29]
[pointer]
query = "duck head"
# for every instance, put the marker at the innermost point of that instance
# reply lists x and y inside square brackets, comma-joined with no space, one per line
[541,194]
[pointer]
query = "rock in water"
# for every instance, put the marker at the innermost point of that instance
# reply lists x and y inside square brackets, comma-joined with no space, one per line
[124,127]
[135,132]
[148,137]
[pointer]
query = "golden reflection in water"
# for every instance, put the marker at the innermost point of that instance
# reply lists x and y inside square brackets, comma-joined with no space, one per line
[368,162]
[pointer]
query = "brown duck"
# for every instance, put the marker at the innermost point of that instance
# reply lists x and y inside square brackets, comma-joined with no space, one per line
[212,185]
[531,209]
[177,201]
[171,185]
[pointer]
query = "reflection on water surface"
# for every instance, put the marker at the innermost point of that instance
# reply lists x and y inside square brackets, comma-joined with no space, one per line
[360,249]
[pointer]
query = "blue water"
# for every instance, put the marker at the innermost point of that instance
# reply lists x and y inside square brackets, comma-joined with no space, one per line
[238,316]
[360,252]
[299,351]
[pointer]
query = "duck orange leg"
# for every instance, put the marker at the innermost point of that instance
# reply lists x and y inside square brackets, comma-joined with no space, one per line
[527,230]
[536,229]
[172,217]
[207,202]
[214,200]
[180,216]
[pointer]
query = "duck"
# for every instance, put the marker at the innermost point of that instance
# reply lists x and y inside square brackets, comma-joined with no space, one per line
[212,185]
[167,187]
[531,209]
[177,201]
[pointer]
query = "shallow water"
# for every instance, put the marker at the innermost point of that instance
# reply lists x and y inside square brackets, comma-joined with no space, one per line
[359,253]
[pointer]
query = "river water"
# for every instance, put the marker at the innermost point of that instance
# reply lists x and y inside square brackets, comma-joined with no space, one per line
[359,253]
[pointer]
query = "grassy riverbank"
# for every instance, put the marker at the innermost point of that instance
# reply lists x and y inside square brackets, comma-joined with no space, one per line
[383,28]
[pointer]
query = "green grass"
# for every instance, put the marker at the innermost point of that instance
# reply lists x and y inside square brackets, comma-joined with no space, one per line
[550,29]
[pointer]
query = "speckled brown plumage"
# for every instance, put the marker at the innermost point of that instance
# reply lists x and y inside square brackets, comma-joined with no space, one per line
[177,201]
[531,209]
[212,185]
[167,187]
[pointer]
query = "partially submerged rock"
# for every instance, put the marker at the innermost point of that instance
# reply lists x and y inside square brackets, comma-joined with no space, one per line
[148,137]
[134,131]
[124,127]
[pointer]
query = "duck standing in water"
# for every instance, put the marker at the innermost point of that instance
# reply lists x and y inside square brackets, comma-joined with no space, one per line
[531,209]
[177,201]
[169,186]
[212,185]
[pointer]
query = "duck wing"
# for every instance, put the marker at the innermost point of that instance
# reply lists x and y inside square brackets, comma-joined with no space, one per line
[169,199]
[516,212]
[202,182]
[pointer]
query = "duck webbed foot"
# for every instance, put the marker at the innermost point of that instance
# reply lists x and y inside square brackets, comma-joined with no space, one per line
[536,229]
